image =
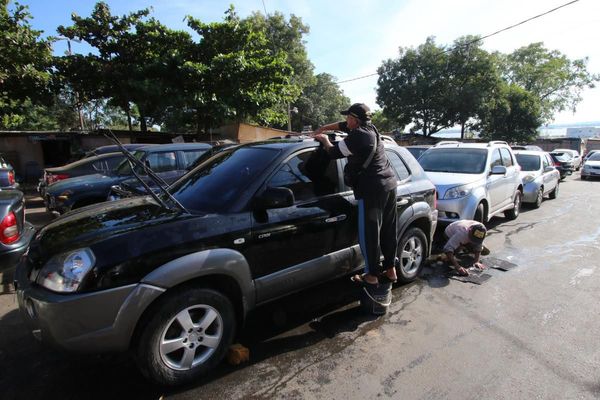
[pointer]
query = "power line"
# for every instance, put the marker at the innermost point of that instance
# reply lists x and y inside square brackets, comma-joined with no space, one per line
[478,39]
[265,8]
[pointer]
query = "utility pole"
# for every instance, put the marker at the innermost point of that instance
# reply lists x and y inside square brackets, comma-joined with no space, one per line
[290,111]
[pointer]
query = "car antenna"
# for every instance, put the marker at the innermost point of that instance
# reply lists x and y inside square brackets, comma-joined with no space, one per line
[159,181]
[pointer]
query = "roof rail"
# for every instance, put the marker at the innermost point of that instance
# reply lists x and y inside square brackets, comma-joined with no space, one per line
[387,138]
[445,142]
[493,142]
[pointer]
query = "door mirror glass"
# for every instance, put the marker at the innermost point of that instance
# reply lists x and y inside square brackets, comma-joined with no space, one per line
[498,170]
[274,197]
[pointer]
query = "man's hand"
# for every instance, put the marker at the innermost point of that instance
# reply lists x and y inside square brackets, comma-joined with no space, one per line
[323,139]
[479,265]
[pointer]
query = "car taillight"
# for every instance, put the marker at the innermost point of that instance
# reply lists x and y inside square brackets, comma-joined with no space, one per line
[556,164]
[9,231]
[11,177]
[51,178]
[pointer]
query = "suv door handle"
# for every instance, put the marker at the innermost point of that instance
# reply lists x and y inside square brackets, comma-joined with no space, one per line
[403,201]
[337,218]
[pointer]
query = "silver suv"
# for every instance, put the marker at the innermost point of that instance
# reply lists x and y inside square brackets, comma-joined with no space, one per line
[474,180]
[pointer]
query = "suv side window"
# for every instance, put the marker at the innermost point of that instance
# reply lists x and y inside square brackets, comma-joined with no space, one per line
[496,158]
[162,162]
[545,161]
[398,165]
[309,174]
[507,159]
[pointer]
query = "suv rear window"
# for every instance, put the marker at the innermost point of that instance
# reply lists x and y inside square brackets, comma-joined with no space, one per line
[455,160]
[398,165]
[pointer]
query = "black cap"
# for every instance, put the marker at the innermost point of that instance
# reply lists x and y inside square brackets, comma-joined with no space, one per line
[477,233]
[358,110]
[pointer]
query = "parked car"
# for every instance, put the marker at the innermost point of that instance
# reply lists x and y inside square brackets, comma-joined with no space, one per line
[169,161]
[563,163]
[133,187]
[474,180]
[258,222]
[15,232]
[101,164]
[526,147]
[539,176]
[576,158]
[417,150]
[591,167]
[7,175]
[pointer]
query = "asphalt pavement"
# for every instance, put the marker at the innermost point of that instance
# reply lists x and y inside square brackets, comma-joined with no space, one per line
[527,333]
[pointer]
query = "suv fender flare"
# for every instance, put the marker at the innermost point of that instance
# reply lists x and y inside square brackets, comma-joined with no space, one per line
[213,262]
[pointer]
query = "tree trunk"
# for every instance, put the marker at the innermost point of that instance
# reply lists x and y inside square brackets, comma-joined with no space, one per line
[128,110]
[462,130]
[143,126]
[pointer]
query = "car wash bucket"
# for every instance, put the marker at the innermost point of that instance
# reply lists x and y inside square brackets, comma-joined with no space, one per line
[375,299]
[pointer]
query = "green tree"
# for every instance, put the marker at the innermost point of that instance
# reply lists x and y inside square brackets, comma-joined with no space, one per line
[320,103]
[474,78]
[416,88]
[25,62]
[553,78]
[383,123]
[234,75]
[513,114]
[139,62]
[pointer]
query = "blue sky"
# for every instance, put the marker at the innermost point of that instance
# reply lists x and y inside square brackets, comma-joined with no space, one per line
[351,38]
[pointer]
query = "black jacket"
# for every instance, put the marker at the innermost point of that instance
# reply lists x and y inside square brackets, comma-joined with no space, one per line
[378,176]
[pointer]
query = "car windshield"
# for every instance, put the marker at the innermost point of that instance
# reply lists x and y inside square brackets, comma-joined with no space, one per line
[594,157]
[220,180]
[528,162]
[461,160]
[417,151]
[561,157]
[125,169]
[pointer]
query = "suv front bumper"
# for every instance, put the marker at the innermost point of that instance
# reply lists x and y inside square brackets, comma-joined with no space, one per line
[94,322]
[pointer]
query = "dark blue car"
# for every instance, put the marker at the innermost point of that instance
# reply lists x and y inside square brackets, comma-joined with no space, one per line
[169,161]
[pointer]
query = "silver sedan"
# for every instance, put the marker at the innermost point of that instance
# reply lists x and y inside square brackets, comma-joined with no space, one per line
[539,176]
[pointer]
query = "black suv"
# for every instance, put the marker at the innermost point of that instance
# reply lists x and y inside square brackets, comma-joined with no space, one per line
[173,277]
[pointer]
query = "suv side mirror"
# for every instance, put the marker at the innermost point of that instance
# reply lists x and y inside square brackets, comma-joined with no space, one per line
[498,170]
[274,197]
[549,168]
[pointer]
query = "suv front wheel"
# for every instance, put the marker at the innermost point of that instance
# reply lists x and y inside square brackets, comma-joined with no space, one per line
[186,335]
[412,252]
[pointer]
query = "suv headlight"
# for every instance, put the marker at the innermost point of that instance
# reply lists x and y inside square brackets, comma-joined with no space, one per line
[458,192]
[66,271]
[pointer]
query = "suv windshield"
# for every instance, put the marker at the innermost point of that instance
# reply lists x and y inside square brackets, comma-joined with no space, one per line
[456,160]
[222,179]
[528,162]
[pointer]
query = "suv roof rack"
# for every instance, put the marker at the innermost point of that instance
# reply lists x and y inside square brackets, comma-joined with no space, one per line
[387,138]
[493,142]
[445,142]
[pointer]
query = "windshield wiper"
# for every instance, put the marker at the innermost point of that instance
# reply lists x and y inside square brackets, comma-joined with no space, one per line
[133,162]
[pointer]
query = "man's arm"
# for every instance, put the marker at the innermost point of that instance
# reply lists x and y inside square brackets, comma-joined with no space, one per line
[334,126]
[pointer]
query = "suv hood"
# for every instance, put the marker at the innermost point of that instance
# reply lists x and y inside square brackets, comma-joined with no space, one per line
[84,226]
[451,179]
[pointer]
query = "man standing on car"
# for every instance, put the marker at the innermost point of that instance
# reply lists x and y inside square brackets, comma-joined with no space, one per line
[373,181]
[468,235]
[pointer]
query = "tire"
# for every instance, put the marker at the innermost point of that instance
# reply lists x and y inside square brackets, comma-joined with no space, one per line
[554,193]
[480,214]
[412,253]
[514,212]
[583,178]
[171,355]
[539,198]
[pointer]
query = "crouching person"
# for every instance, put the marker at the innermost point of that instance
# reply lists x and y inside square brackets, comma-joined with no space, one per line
[465,235]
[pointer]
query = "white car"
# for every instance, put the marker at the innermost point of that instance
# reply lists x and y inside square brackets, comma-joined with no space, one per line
[591,167]
[577,161]
[539,176]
